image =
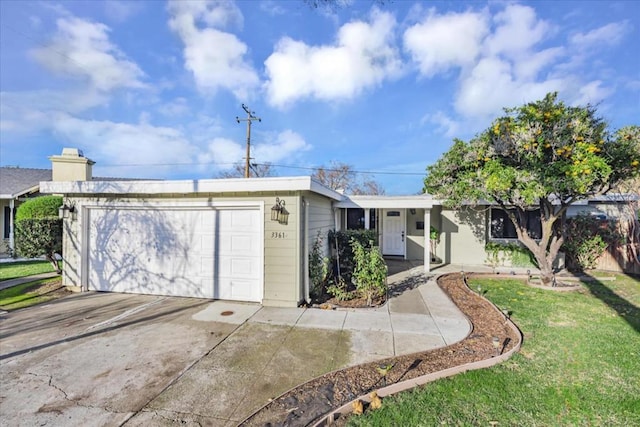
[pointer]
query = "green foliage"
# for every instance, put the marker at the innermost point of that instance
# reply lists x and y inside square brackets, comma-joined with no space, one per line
[39,230]
[587,239]
[40,207]
[370,273]
[434,234]
[318,267]
[344,251]
[499,253]
[39,236]
[543,153]
[339,290]
[538,149]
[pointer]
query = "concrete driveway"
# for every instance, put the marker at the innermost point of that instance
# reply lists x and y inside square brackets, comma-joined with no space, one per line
[97,359]
[101,359]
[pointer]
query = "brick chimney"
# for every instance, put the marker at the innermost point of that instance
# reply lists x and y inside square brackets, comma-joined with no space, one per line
[71,165]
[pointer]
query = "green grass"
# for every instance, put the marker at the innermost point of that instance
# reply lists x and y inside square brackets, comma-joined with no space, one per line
[29,294]
[579,365]
[14,270]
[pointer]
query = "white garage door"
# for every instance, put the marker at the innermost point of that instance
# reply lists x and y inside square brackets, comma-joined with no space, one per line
[181,252]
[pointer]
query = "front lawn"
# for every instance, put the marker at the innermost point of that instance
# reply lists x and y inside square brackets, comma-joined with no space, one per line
[579,365]
[14,270]
[31,293]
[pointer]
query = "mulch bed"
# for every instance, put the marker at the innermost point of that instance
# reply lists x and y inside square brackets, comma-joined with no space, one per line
[311,401]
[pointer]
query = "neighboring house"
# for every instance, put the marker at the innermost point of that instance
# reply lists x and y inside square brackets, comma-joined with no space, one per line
[244,239]
[19,184]
[16,186]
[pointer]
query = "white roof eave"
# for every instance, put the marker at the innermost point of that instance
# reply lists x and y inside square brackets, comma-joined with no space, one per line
[203,186]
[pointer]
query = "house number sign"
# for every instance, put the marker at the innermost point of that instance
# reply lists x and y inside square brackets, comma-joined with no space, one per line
[278,235]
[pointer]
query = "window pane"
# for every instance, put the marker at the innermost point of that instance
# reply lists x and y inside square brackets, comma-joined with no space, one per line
[355,219]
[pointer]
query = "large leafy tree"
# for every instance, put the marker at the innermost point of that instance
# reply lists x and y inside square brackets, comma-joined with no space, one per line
[545,155]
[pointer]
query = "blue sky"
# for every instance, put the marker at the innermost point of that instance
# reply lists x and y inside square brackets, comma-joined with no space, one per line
[152,89]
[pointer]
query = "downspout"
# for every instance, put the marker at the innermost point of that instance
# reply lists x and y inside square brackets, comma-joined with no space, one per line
[306,251]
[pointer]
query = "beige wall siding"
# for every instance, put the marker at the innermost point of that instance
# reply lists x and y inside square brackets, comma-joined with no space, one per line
[321,219]
[281,254]
[281,249]
[462,236]
[415,237]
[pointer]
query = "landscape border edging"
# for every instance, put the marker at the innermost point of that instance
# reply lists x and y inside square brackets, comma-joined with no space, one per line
[347,408]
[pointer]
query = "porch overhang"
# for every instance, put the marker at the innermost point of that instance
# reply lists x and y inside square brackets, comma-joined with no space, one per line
[387,202]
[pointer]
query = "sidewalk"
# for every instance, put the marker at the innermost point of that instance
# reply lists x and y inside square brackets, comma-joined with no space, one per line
[20,280]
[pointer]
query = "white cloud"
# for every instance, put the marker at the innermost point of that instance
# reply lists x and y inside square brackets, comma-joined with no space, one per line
[592,93]
[607,35]
[363,56]
[445,124]
[82,49]
[284,145]
[518,30]
[217,59]
[491,86]
[124,143]
[120,11]
[272,8]
[441,42]
[174,108]
[529,65]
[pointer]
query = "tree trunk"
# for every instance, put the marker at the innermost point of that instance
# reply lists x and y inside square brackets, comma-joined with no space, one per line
[544,264]
[54,263]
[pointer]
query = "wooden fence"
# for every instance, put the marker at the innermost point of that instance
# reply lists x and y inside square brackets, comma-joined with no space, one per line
[619,258]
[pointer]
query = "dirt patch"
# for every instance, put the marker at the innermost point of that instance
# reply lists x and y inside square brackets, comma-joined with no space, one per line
[310,401]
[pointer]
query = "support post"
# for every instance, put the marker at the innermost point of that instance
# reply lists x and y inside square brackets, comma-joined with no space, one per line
[427,240]
[367,213]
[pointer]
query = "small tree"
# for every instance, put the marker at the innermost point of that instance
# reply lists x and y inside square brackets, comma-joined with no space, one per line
[543,154]
[39,230]
[370,272]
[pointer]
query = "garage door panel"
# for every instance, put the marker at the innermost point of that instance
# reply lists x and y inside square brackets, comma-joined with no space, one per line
[179,252]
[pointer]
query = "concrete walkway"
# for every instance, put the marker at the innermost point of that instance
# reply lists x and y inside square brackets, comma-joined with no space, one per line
[20,280]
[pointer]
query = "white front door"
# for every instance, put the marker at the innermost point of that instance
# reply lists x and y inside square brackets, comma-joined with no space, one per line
[393,232]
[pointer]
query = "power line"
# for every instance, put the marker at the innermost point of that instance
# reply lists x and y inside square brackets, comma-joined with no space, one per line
[309,168]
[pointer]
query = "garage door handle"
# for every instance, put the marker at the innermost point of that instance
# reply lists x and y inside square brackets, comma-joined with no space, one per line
[403,236]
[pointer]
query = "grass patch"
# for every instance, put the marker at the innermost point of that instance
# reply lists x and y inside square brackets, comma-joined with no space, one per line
[31,293]
[578,365]
[14,270]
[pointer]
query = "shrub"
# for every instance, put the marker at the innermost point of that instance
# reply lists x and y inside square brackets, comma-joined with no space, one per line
[39,230]
[40,207]
[586,239]
[370,272]
[499,253]
[340,242]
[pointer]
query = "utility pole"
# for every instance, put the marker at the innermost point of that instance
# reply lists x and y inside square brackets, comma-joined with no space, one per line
[250,117]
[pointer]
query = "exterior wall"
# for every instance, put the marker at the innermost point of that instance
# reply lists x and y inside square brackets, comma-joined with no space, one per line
[415,237]
[282,268]
[611,210]
[462,235]
[321,219]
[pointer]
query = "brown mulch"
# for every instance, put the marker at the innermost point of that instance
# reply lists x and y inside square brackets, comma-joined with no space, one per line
[311,401]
